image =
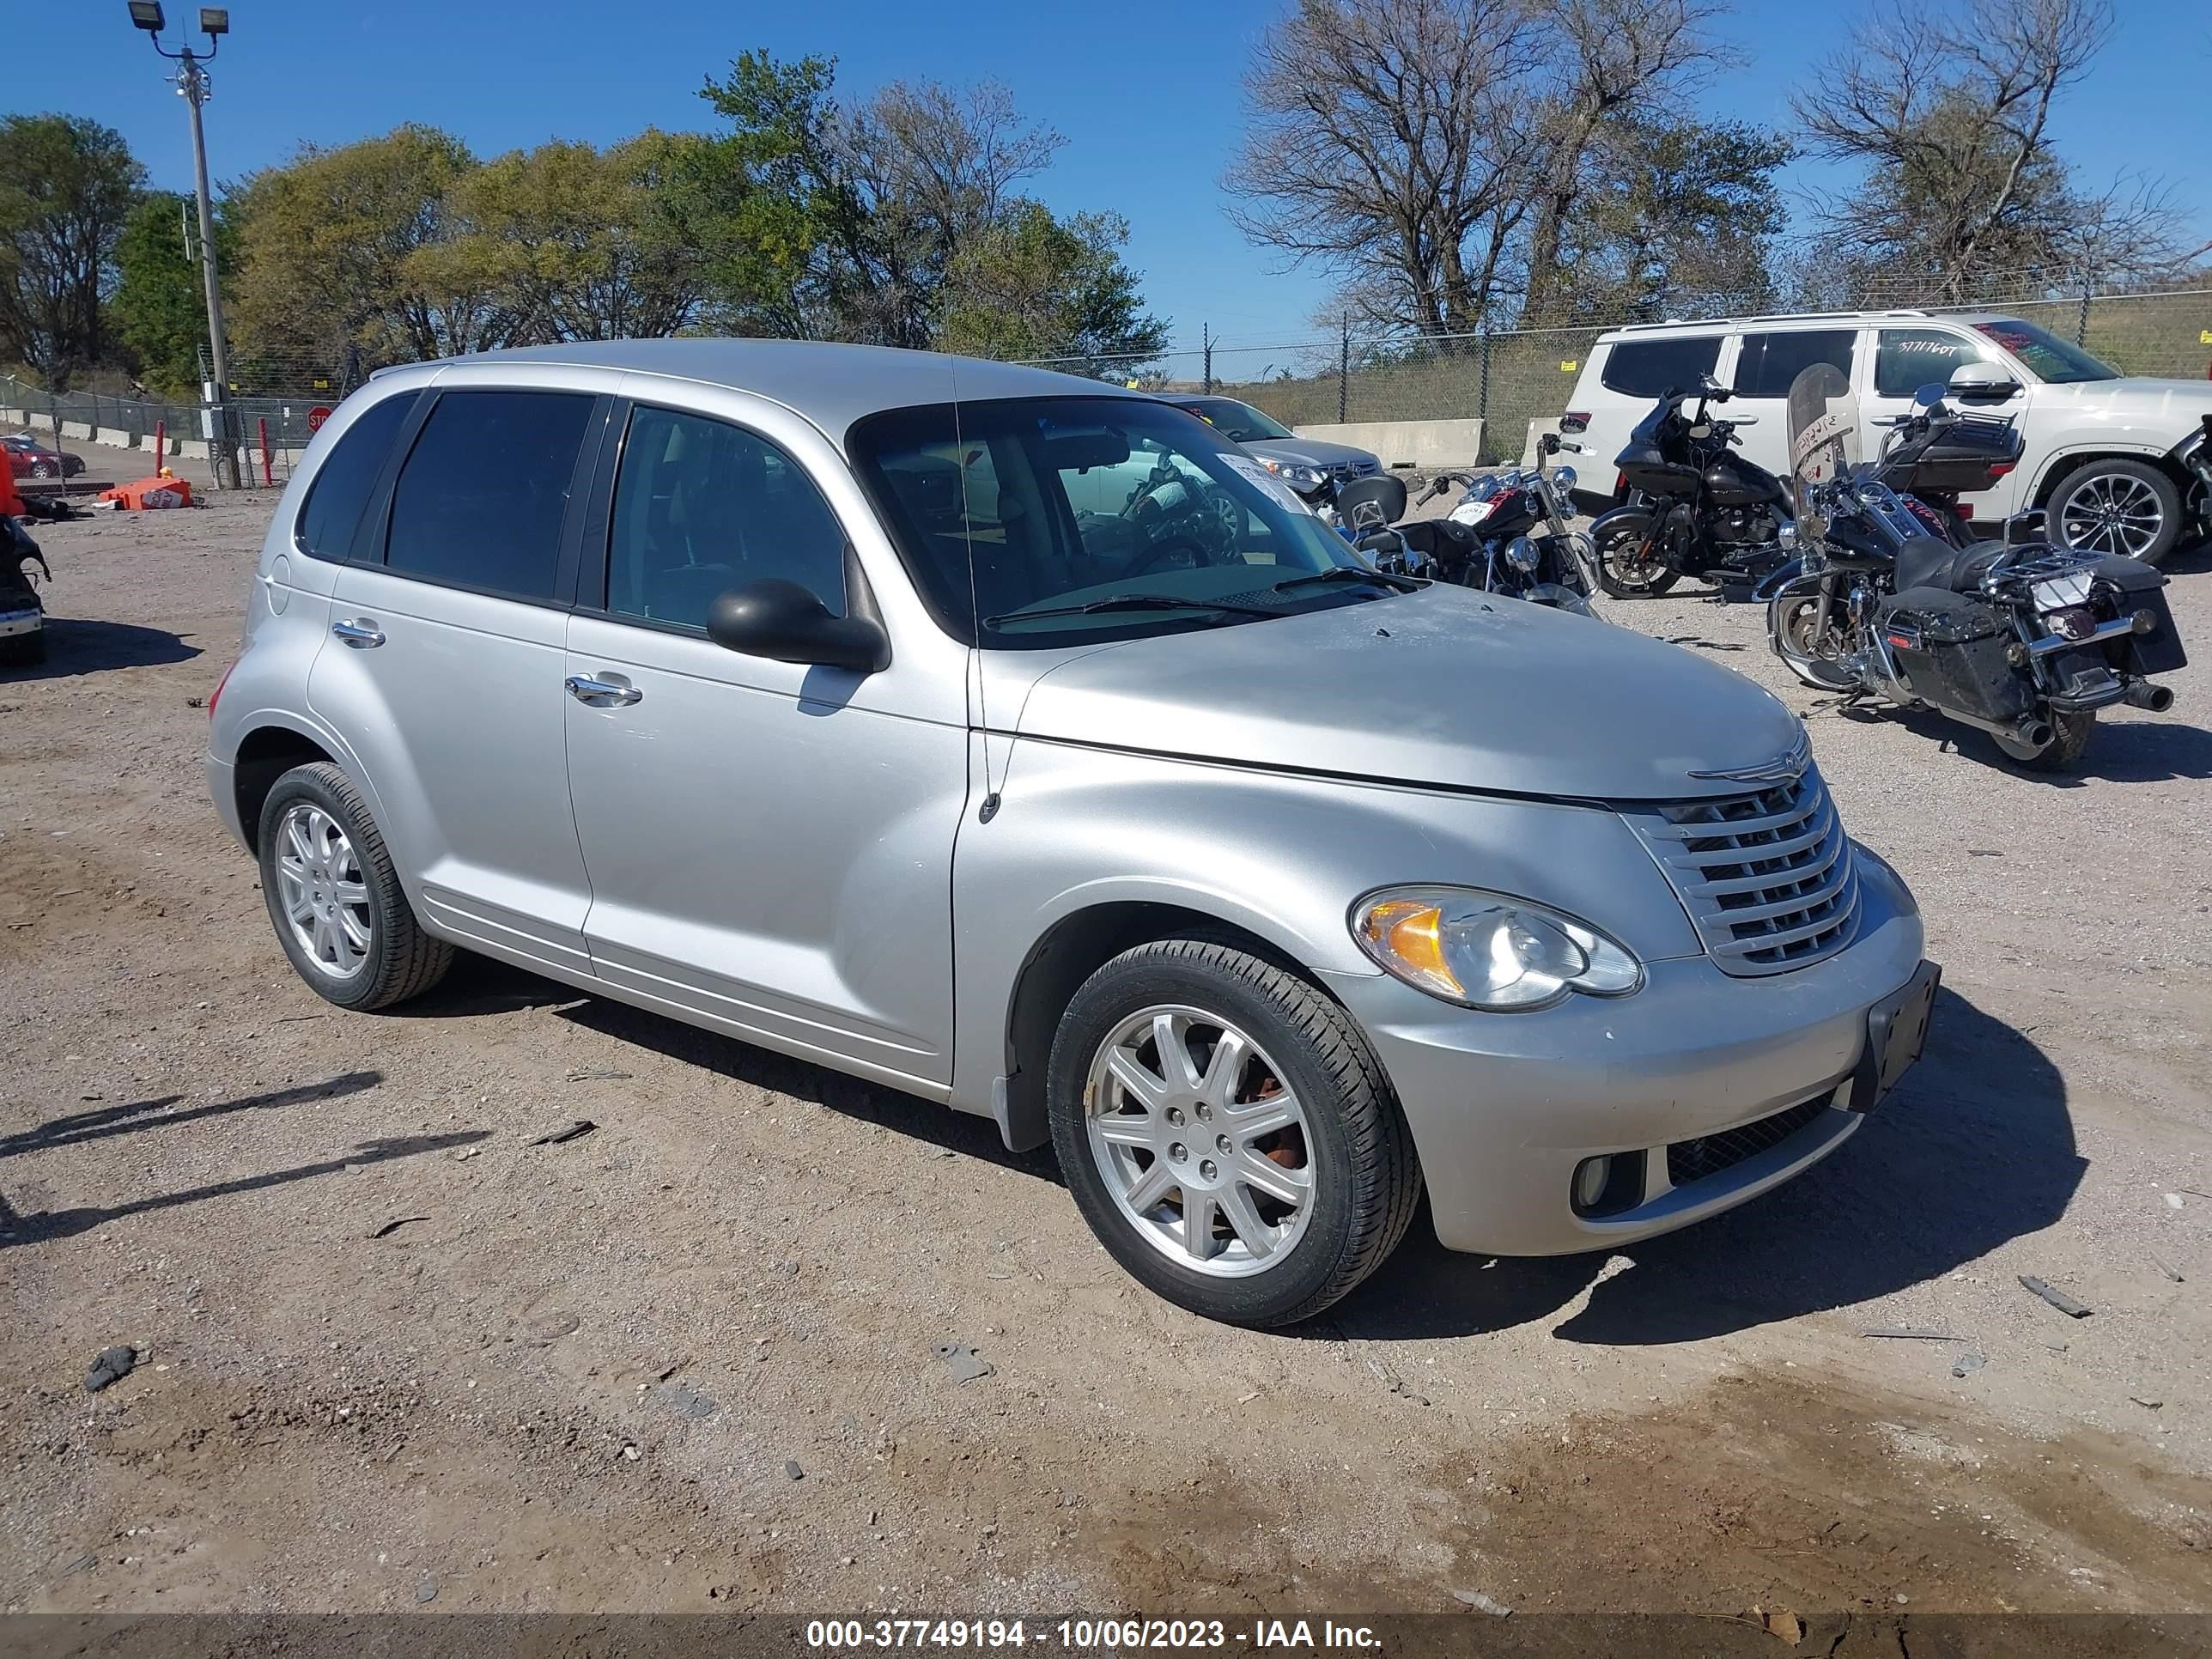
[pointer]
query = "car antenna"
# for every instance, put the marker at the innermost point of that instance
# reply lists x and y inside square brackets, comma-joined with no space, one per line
[989,809]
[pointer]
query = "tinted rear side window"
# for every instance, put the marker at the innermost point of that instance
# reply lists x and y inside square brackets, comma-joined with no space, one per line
[340,492]
[1652,368]
[480,500]
[1768,363]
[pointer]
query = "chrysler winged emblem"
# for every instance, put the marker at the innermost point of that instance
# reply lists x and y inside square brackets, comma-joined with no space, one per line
[1784,767]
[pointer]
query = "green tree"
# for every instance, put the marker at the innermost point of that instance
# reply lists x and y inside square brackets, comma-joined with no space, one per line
[1034,286]
[342,250]
[67,187]
[159,308]
[1673,219]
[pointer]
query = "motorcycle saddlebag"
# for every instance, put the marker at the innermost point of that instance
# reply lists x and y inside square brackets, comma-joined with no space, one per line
[2131,586]
[1951,649]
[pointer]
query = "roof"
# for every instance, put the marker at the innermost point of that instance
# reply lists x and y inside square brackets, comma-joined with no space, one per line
[1812,318]
[832,384]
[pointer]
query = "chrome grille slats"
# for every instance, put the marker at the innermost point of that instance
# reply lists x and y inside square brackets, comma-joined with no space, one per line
[1767,876]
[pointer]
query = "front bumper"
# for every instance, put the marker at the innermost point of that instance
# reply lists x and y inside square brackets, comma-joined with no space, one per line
[1504,1107]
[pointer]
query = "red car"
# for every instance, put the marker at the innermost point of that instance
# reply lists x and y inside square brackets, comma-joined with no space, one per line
[28,458]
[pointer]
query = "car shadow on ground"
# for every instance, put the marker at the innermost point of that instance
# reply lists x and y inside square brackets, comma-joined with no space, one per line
[74,646]
[2120,750]
[936,1128]
[1975,1148]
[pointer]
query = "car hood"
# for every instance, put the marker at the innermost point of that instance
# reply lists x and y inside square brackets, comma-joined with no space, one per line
[2186,402]
[1444,687]
[1311,451]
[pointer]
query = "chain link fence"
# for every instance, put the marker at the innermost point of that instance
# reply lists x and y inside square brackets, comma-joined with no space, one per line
[1507,378]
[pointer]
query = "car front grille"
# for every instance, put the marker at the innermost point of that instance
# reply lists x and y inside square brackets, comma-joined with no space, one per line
[1346,471]
[1767,878]
[1693,1160]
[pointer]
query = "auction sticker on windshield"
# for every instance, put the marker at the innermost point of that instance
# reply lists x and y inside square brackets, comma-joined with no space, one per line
[1276,490]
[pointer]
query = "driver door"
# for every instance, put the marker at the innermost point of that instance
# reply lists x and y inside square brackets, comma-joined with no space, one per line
[1907,358]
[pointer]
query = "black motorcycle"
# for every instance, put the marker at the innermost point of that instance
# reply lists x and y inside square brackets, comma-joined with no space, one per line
[1696,507]
[2021,638]
[1508,534]
[22,614]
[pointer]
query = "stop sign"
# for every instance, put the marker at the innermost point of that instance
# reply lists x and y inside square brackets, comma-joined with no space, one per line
[316,417]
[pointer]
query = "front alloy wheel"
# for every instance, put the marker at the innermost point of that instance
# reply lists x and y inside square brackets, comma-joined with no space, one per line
[1227,1131]
[2129,508]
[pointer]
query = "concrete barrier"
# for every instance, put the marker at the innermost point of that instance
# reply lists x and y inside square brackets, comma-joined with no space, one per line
[42,422]
[79,430]
[114,437]
[1418,445]
[192,449]
[146,443]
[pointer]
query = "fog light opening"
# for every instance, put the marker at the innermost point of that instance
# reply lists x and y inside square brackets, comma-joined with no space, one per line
[1607,1184]
[1590,1176]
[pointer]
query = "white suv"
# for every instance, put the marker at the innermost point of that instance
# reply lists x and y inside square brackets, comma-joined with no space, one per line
[2124,464]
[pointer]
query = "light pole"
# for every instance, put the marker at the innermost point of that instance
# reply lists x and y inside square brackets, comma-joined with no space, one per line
[192,84]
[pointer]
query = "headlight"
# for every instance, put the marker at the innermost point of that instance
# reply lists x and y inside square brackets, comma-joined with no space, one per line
[1295,474]
[1521,553]
[1785,537]
[1488,950]
[1564,477]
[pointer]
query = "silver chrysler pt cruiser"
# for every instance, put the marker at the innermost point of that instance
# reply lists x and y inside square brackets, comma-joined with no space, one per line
[1021,744]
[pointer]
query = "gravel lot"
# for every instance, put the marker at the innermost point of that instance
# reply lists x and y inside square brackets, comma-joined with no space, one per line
[686,1362]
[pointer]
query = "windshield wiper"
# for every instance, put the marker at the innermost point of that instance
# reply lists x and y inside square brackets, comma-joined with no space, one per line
[1346,572]
[1131,602]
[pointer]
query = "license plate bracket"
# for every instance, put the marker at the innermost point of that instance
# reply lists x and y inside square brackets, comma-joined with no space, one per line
[1897,1031]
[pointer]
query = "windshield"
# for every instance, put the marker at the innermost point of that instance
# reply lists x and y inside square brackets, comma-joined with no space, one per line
[1238,422]
[1055,503]
[2050,359]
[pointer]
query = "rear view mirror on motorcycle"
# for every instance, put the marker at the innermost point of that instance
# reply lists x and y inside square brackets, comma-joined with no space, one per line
[1928,396]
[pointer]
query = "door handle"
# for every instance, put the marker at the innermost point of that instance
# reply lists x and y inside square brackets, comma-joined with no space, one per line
[586,689]
[359,632]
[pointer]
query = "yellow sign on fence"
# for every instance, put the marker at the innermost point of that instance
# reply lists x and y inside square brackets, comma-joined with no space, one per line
[2205,337]
[1569,365]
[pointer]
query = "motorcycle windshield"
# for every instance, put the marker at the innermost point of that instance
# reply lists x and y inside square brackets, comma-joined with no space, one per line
[1824,431]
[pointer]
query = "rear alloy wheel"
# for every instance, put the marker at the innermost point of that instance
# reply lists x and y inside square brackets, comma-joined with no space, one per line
[1627,557]
[2115,507]
[1228,1133]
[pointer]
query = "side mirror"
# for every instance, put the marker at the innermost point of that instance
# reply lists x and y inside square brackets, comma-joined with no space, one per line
[1928,396]
[785,622]
[1991,380]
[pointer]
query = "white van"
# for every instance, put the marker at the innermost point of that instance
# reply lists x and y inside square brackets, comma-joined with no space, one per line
[2122,463]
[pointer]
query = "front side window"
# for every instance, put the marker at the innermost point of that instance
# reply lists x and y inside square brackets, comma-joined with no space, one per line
[1239,423]
[480,497]
[1652,368]
[703,506]
[2050,359]
[1910,358]
[1768,363]
[339,495]
[1047,521]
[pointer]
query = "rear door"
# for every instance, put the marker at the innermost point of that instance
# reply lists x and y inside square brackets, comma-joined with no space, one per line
[445,668]
[1767,361]
[1634,375]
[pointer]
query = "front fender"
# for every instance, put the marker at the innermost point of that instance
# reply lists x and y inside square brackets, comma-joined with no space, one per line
[1281,857]
[1782,579]
[1630,518]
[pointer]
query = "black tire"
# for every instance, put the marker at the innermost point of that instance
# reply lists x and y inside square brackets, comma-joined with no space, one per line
[2083,486]
[2071,742]
[23,650]
[1368,1179]
[1613,543]
[403,961]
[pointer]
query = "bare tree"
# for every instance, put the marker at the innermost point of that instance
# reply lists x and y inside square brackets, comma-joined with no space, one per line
[1621,57]
[1950,106]
[1395,142]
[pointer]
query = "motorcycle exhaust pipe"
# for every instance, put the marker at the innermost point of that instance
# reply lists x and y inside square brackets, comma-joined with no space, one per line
[2035,733]
[2142,694]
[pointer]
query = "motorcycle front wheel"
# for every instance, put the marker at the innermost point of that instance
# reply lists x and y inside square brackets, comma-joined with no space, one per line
[2072,733]
[1626,556]
[1790,625]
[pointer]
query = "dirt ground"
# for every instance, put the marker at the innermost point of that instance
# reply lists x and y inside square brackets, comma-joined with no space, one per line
[397,1356]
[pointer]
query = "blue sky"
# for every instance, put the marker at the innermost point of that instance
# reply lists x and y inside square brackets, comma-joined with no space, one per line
[1148,96]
